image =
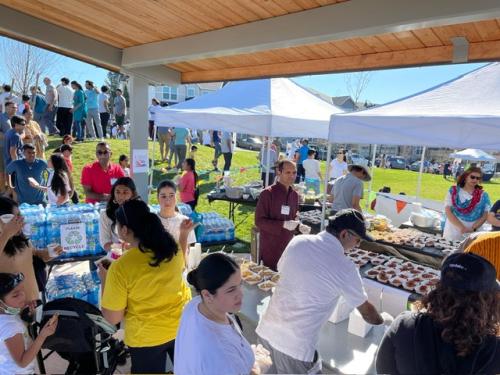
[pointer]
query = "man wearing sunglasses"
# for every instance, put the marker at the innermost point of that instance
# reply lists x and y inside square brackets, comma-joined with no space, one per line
[98,177]
[348,189]
[314,273]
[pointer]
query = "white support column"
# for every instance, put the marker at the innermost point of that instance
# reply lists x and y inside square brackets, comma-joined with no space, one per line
[420,173]
[139,129]
[370,185]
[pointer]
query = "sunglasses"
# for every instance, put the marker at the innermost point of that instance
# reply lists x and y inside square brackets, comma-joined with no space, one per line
[475,177]
[102,152]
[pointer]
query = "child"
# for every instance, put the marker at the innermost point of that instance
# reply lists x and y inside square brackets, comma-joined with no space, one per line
[192,154]
[67,152]
[124,164]
[67,140]
[17,355]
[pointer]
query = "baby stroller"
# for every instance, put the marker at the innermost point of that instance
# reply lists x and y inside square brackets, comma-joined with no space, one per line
[83,338]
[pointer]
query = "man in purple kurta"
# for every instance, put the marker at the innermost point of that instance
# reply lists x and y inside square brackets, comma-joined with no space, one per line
[276,214]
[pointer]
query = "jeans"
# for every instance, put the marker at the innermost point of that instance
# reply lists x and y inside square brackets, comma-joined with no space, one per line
[104,122]
[93,117]
[228,157]
[64,121]
[78,130]
[151,360]
[301,173]
[180,153]
[151,129]
[48,120]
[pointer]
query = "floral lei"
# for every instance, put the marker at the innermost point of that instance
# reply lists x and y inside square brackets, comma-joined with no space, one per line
[468,206]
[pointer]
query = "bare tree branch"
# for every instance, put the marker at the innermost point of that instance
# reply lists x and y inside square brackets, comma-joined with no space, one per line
[22,62]
[356,83]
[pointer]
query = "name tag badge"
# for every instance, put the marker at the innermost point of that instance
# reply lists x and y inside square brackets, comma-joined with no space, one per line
[113,180]
[285,210]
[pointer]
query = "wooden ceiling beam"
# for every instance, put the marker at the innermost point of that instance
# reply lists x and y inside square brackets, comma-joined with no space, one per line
[482,51]
[346,20]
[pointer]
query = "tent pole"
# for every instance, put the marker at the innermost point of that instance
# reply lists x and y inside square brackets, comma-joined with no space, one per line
[155,129]
[370,185]
[327,175]
[419,183]
[268,162]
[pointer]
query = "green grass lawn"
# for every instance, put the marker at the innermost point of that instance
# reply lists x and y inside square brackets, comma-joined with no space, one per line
[433,186]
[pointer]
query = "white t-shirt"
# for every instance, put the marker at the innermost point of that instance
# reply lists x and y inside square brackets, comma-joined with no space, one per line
[337,168]
[152,111]
[226,144]
[65,94]
[312,168]
[51,196]
[450,231]
[173,225]
[107,233]
[207,140]
[101,99]
[9,327]
[314,273]
[209,348]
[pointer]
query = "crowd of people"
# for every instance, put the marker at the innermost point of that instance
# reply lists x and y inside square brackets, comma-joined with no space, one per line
[456,328]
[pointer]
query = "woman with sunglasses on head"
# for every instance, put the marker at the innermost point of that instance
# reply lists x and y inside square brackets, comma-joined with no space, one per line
[16,354]
[123,190]
[16,254]
[145,287]
[466,205]
[171,219]
[209,340]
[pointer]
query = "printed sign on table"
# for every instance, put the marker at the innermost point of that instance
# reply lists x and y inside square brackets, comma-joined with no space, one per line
[73,237]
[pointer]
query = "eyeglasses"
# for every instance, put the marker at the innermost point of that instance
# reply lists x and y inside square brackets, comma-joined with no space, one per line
[358,238]
[102,152]
[168,196]
[472,177]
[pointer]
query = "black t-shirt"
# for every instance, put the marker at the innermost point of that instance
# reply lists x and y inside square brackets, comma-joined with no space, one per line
[496,210]
[413,345]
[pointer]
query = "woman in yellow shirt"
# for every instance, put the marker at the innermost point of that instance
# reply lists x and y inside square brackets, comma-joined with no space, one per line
[145,286]
[33,134]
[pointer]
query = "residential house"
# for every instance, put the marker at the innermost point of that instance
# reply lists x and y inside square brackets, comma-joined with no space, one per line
[170,95]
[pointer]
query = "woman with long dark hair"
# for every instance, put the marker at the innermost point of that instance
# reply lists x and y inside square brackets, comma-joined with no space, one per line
[122,190]
[209,340]
[170,217]
[60,186]
[456,329]
[16,254]
[188,183]
[145,287]
[466,205]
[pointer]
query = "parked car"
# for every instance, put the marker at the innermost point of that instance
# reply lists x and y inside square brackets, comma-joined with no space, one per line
[357,159]
[396,162]
[250,143]
[415,166]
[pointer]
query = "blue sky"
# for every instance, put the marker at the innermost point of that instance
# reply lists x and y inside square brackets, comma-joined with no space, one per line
[384,85]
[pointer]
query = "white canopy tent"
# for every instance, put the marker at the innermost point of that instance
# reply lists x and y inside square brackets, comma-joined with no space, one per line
[473,154]
[276,107]
[461,112]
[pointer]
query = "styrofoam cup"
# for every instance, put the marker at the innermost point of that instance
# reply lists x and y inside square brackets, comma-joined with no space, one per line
[52,249]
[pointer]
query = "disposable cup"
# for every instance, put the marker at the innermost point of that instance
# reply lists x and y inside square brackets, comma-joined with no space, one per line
[6,218]
[52,249]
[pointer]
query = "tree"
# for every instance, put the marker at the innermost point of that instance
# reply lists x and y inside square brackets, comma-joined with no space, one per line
[23,62]
[356,83]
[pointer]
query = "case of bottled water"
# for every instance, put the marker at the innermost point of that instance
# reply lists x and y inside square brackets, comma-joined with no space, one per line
[84,287]
[183,208]
[214,228]
[34,224]
[76,228]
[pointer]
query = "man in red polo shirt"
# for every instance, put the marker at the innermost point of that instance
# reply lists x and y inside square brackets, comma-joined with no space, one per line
[98,177]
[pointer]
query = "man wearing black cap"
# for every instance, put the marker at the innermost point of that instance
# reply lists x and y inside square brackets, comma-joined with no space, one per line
[314,273]
[456,328]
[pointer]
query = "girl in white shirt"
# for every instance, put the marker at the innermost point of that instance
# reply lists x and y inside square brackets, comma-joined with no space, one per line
[338,166]
[123,190]
[169,216]
[60,186]
[209,340]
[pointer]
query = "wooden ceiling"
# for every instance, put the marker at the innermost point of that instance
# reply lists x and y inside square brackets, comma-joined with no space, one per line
[127,23]
[132,23]
[407,48]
